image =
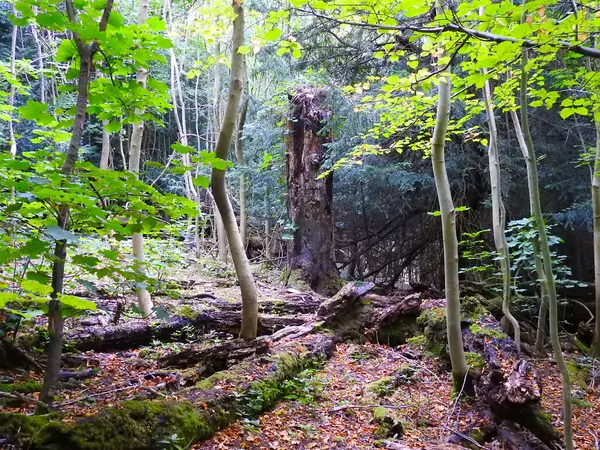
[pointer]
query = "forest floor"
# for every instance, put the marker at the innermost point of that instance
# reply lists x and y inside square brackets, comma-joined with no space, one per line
[330,406]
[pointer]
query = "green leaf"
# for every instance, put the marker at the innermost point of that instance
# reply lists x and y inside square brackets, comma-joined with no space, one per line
[35,287]
[59,234]
[244,50]
[76,303]
[273,35]
[7,297]
[36,111]
[112,127]
[202,181]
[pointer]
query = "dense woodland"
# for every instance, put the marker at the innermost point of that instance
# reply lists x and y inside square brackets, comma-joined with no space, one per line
[299,224]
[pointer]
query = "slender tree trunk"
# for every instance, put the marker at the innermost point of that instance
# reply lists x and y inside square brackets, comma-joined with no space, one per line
[40,56]
[135,150]
[238,254]
[220,234]
[541,332]
[526,144]
[105,154]
[55,319]
[596,213]
[12,90]
[450,241]
[499,213]
[239,153]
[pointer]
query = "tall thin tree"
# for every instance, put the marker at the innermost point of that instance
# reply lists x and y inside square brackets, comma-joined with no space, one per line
[135,149]
[55,320]
[238,254]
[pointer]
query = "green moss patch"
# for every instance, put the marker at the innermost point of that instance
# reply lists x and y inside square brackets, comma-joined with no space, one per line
[24,387]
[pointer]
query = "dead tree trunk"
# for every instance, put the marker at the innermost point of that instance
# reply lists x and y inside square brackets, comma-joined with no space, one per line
[310,197]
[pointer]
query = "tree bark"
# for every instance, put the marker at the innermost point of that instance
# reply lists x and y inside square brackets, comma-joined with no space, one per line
[450,241]
[55,319]
[105,154]
[238,254]
[526,144]
[239,154]
[595,349]
[310,198]
[499,213]
[12,90]
[135,150]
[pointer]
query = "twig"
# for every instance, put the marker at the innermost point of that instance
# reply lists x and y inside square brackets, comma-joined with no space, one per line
[458,397]
[153,391]
[596,441]
[70,402]
[23,398]
[464,436]
[343,407]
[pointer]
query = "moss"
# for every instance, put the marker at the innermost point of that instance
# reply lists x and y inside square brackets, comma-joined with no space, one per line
[187,311]
[25,387]
[582,403]
[487,331]
[478,435]
[472,308]
[141,424]
[388,425]
[380,413]
[382,387]
[579,374]
[418,342]
[475,362]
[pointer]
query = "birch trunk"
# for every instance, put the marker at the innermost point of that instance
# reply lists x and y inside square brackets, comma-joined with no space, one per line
[105,154]
[135,147]
[450,241]
[499,213]
[526,144]
[238,254]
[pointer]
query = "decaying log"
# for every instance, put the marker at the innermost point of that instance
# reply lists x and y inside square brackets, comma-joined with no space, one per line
[335,308]
[217,402]
[515,438]
[142,332]
[215,357]
[65,375]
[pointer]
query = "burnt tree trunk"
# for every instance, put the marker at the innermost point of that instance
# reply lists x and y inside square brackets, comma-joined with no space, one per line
[310,197]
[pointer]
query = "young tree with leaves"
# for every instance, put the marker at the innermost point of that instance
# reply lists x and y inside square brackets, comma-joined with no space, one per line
[238,254]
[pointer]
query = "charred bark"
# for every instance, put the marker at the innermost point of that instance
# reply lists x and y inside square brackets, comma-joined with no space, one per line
[310,197]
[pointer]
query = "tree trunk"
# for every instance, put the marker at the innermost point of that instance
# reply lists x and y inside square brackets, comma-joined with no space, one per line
[596,213]
[526,144]
[450,241]
[55,319]
[238,254]
[40,56]
[135,149]
[310,198]
[12,90]
[105,154]
[499,213]
[239,154]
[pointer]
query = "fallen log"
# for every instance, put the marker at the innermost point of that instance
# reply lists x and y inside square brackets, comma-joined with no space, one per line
[142,332]
[212,404]
[215,357]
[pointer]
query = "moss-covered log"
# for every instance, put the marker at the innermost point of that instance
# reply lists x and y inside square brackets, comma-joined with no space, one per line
[213,403]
